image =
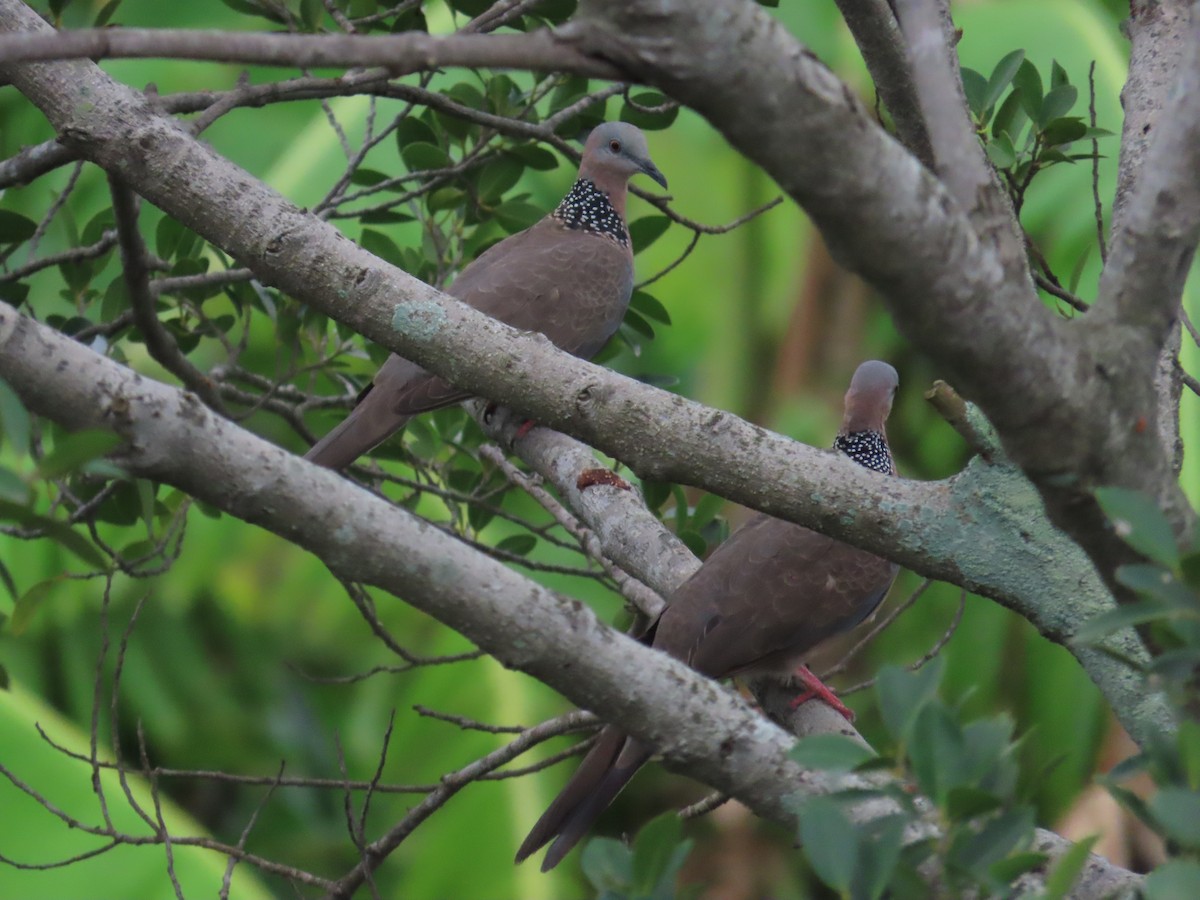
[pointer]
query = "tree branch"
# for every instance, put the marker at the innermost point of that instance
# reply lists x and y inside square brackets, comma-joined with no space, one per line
[401,54]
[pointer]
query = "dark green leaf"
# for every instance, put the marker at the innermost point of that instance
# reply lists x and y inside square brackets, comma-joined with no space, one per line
[56,531]
[1177,879]
[1063,131]
[706,510]
[653,850]
[76,449]
[1057,103]
[1177,810]
[1139,522]
[13,489]
[830,842]
[518,544]
[413,130]
[967,801]
[937,751]
[365,177]
[649,307]
[14,419]
[646,230]
[517,215]
[29,602]
[975,86]
[831,752]
[1100,627]
[650,111]
[1156,583]
[902,694]
[106,13]
[497,177]
[1013,867]
[1001,153]
[607,864]
[1001,77]
[381,245]
[421,156]
[1066,870]
[878,857]
[534,157]
[655,493]
[15,228]
[996,840]
[694,541]
[1058,75]
[1029,83]
[1010,118]
[635,321]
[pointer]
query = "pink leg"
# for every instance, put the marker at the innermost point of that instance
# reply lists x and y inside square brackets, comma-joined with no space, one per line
[527,426]
[816,689]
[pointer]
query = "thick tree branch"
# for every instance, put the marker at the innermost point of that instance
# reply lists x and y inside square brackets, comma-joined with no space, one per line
[169,436]
[875,30]
[401,54]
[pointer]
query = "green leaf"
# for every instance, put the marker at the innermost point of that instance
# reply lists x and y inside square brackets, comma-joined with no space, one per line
[534,157]
[607,864]
[1001,153]
[653,851]
[1002,76]
[1057,103]
[830,842]
[1156,583]
[1177,879]
[379,244]
[706,510]
[76,449]
[1100,627]
[413,130]
[12,488]
[902,694]
[15,228]
[1068,867]
[106,13]
[1058,75]
[878,857]
[518,544]
[937,751]
[497,177]
[1139,522]
[655,493]
[1177,810]
[635,321]
[1009,869]
[517,215]
[29,602]
[646,230]
[645,113]
[966,801]
[649,307]
[975,87]
[1063,131]
[996,840]
[830,752]
[56,531]
[1029,83]
[1010,118]
[421,155]
[694,541]
[14,419]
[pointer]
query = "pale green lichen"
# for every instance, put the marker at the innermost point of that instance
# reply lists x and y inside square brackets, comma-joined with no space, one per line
[421,319]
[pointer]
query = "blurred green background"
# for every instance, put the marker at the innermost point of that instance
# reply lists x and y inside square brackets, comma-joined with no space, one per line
[219,664]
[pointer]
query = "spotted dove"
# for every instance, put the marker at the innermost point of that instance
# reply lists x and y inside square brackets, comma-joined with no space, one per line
[569,276]
[758,605]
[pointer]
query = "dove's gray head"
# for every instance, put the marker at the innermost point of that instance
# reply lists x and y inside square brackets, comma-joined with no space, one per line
[869,399]
[615,151]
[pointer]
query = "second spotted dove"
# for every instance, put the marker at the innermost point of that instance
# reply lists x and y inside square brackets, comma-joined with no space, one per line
[764,599]
[569,276]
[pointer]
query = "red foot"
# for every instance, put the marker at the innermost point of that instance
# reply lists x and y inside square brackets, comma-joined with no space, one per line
[816,689]
[527,426]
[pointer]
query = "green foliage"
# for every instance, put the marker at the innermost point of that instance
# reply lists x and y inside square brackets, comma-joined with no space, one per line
[647,871]
[968,769]
[1031,128]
